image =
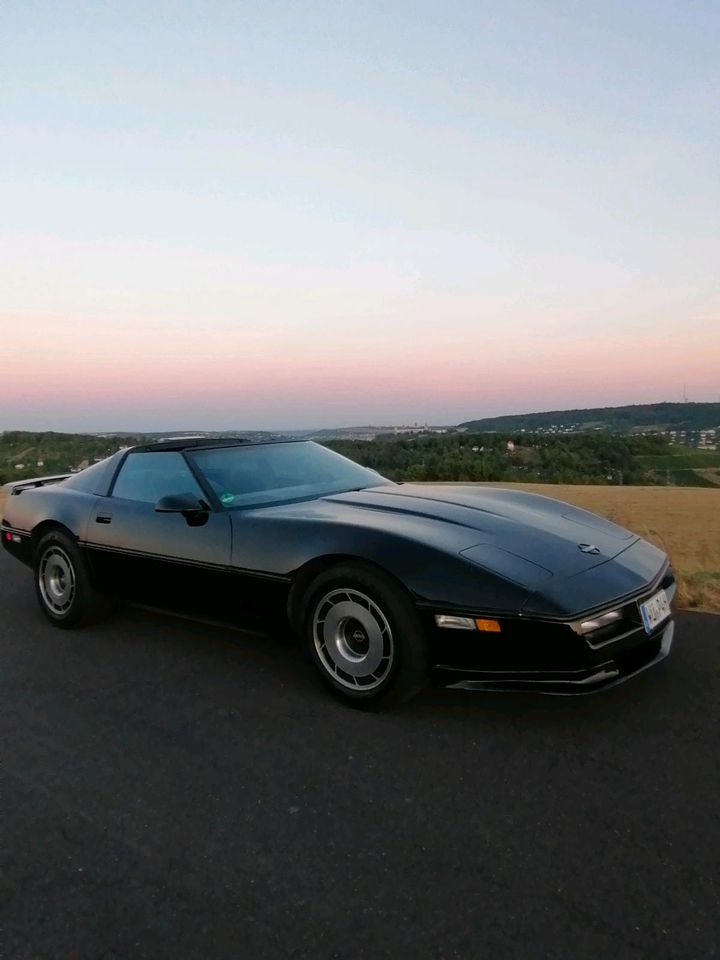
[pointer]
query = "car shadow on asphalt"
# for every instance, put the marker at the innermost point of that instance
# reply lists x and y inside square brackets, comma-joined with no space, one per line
[274,668]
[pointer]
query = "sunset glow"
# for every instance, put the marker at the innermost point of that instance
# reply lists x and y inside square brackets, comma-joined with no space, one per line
[263,218]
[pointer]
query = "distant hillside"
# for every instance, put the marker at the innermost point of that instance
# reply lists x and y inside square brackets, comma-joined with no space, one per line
[584,457]
[24,454]
[670,416]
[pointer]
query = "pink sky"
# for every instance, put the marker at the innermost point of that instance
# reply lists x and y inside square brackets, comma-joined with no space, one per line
[277,216]
[286,377]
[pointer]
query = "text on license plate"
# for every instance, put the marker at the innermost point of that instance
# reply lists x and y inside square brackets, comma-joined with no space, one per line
[655,610]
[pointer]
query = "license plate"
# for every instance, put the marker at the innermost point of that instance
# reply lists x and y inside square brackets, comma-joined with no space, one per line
[654,611]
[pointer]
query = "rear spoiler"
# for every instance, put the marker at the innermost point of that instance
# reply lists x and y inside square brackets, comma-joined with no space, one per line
[16,487]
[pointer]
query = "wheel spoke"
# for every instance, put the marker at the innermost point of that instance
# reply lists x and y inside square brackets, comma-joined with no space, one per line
[56,578]
[353,639]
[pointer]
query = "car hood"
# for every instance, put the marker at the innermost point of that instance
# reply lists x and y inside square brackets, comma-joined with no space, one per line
[557,538]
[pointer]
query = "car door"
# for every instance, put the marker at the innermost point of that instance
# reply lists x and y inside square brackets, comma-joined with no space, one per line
[171,560]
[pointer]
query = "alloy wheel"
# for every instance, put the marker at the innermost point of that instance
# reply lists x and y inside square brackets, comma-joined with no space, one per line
[353,639]
[56,577]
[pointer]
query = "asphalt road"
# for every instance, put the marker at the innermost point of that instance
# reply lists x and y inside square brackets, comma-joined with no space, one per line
[171,789]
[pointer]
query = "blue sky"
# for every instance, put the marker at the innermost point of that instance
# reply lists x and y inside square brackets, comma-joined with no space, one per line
[238,215]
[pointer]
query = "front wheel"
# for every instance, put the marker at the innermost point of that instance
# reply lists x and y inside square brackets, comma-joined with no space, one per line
[63,586]
[365,637]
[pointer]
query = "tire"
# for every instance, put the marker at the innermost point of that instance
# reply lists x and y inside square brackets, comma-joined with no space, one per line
[63,585]
[364,636]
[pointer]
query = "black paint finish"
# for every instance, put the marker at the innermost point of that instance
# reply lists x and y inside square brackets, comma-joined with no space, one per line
[534,563]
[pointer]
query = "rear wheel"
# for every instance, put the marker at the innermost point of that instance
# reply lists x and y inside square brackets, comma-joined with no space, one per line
[364,636]
[63,586]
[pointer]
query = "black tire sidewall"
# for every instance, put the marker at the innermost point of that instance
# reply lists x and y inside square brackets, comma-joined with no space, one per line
[410,668]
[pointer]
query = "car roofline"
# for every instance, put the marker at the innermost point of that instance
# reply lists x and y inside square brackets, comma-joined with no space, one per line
[179,444]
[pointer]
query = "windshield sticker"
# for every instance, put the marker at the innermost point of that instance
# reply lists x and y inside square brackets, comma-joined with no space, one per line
[227,498]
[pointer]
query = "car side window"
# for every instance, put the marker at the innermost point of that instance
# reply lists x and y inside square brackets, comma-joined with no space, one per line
[149,476]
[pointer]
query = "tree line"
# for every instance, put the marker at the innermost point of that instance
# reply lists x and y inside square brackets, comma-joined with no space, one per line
[591,458]
[25,454]
[580,458]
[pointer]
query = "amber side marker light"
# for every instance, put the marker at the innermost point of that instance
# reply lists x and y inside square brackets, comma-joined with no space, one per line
[451,622]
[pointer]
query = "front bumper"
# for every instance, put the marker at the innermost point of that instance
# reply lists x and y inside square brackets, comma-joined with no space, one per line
[556,656]
[567,682]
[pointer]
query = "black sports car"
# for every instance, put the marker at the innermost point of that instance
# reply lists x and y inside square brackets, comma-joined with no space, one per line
[386,583]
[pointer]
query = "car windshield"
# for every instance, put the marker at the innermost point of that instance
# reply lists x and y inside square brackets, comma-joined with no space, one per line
[279,472]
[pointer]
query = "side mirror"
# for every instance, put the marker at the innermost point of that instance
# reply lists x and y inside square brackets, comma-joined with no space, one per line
[186,503]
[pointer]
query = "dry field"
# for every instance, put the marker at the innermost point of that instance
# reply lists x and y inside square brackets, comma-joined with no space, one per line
[684,521]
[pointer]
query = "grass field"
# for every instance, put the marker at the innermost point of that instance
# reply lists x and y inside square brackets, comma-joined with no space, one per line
[683,521]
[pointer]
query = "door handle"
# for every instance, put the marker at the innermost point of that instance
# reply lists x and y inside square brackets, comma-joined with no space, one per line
[103,518]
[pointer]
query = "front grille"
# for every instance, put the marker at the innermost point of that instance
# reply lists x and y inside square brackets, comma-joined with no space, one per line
[630,623]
